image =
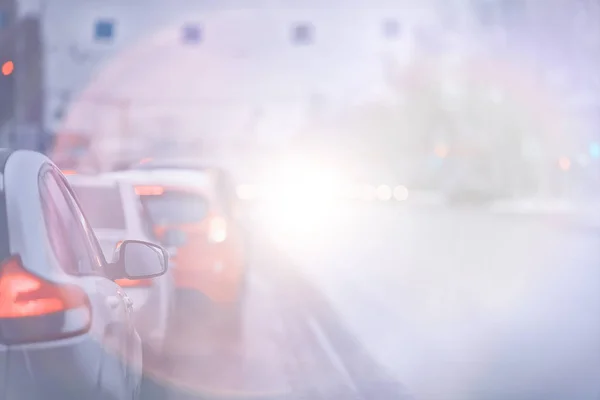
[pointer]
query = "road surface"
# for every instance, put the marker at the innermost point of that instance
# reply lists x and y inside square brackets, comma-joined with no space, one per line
[292,346]
[464,304]
[408,302]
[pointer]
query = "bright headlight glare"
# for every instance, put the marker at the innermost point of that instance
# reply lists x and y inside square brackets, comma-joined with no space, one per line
[368,192]
[384,192]
[300,197]
[247,192]
[401,193]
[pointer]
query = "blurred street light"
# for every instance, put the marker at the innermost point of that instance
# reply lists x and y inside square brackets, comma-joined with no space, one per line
[384,192]
[401,193]
[564,163]
[595,150]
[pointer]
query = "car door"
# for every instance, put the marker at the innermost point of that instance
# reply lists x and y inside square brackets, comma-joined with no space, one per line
[78,247]
[128,340]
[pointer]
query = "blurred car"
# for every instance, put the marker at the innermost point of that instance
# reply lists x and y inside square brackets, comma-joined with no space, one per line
[115,213]
[188,211]
[66,328]
[471,182]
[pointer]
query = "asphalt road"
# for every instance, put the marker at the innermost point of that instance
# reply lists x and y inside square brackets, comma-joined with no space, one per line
[292,346]
[465,304]
[395,302]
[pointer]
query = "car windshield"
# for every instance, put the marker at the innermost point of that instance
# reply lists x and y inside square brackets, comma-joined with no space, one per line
[103,206]
[175,208]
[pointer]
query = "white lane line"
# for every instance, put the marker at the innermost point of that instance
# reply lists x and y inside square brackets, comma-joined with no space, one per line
[331,353]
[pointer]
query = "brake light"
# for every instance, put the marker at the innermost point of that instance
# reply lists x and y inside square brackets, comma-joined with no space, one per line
[119,243]
[23,294]
[149,190]
[69,172]
[33,309]
[128,283]
[217,230]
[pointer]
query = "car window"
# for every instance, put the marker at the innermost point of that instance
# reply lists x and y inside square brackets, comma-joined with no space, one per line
[103,206]
[64,234]
[96,252]
[146,221]
[175,207]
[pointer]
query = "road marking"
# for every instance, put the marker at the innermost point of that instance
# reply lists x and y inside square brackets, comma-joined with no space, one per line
[331,353]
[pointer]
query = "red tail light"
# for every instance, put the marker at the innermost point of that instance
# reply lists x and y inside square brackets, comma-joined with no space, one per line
[128,283]
[149,190]
[33,309]
[217,230]
[25,295]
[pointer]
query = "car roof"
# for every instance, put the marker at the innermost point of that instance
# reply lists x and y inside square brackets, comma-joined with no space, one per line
[177,163]
[166,177]
[92,180]
[129,199]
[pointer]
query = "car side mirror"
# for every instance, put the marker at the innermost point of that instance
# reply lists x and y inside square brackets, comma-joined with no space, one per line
[140,260]
[174,238]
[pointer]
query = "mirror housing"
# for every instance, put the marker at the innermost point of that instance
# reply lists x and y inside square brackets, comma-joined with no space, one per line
[174,238]
[139,260]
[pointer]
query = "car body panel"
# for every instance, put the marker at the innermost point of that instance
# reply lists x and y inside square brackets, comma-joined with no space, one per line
[111,334]
[33,372]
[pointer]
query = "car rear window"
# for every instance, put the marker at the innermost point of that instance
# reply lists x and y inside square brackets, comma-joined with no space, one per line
[102,206]
[175,207]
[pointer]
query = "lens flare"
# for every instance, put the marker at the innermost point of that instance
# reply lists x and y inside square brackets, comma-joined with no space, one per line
[400,193]
[384,193]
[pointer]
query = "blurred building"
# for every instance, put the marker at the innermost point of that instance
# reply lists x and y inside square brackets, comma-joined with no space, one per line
[21,81]
[119,69]
[8,35]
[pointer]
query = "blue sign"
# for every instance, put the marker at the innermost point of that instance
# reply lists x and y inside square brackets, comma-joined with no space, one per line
[104,30]
[391,29]
[191,34]
[3,19]
[302,34]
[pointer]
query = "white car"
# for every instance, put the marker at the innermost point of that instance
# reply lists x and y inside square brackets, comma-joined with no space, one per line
[115,213]
[66,327]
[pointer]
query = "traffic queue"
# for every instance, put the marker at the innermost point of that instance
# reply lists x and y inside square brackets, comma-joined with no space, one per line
[96,267]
